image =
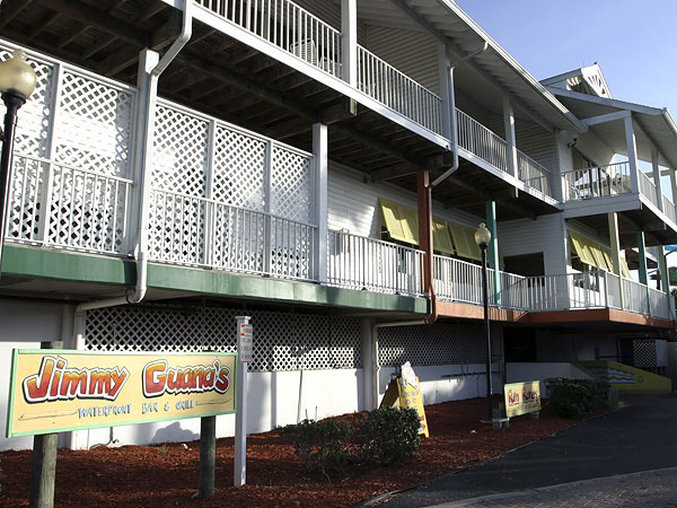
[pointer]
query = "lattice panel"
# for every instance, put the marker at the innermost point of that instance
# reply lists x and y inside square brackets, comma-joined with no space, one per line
[282,341]
[177,228]
[239,164]
[644,353]
[441,344]
[25,203]
[291,183]
[94,128]
[180,152]
[33,122]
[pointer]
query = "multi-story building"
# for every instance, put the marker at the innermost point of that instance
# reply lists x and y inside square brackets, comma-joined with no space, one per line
[321,166]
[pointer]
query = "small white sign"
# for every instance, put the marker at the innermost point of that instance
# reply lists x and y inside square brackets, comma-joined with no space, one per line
[245,344]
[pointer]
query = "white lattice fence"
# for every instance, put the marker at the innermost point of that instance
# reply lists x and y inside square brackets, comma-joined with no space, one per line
[282,341]
[440,344]
[229,198]
[71,179]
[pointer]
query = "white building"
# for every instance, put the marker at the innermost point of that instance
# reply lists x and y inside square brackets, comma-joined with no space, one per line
[279,165]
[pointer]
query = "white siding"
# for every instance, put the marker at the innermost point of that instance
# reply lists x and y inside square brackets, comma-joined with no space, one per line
[353,204]
[491,121]
[536,142]
[546,235]
[413,53]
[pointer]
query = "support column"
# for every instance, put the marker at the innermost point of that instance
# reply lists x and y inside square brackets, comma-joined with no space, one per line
[673,184]
[657,176]
[631,140]
[510,138]
[367,365]
[494,262]
[663,269]
[643,271]
[614,240]
[320,150]
[349,40]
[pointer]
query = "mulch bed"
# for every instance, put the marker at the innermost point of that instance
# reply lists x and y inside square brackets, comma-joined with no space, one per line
[167,475]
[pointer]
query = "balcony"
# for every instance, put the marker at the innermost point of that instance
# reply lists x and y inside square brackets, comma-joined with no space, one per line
[460,281]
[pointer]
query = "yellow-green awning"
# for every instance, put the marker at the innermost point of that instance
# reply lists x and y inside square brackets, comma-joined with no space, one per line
[582,247]
[400,221]
[464,241]
[625,270]
[441,238]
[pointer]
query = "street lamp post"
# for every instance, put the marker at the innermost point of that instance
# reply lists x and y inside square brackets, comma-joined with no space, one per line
[482,239]
[17,82]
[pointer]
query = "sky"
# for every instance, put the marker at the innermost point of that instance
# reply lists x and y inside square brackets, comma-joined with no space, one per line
[634,41]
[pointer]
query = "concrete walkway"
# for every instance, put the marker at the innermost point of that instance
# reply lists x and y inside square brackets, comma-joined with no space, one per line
[639,438]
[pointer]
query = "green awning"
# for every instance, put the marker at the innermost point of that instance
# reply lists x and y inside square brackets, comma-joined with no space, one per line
[400,221]
[441,238]
[464,241]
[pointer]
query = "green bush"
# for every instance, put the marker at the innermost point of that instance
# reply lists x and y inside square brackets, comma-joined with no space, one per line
[388,435]
[576,398]
[322,446]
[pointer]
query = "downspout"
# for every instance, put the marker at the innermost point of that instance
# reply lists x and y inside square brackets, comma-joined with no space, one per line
[141,250]
[142,157]
[454,123]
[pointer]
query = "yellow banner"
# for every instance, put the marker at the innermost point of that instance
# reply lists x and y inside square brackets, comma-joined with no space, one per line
[522,398]
[56,391]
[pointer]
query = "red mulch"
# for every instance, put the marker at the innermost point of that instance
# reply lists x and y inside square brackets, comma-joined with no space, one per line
[167,475]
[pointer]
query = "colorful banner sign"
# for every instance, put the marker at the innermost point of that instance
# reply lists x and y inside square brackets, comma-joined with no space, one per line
[410,396]
[522,398]
[59,390]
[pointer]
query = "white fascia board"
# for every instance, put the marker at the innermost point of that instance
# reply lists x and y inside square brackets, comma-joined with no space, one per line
[609,117]
[211,19]
[515,65]
[508,178]
[603,101]
[601,206]
[654,209]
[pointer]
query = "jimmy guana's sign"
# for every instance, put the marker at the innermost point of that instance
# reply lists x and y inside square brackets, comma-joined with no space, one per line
[59,390]
[522,398]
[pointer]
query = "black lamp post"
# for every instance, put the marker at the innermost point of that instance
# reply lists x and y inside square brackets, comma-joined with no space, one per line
[482,239]
[17,82]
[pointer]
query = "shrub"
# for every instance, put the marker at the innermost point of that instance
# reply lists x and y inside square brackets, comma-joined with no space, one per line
[322,446]
[576,398]
[388,435]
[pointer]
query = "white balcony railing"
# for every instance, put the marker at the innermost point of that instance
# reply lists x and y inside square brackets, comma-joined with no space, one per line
[56,205]
[481,141]
[287,26]
[491,148]
[358,262]
[385,84]
[648,189]
[597,182]
[533,173]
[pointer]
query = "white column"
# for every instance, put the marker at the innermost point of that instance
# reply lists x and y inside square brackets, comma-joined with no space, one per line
[614,240]
[320,149]
[631,141]
[657,176]
[240,463]
[673,184]
[349,40]
[510,138]
[446,90]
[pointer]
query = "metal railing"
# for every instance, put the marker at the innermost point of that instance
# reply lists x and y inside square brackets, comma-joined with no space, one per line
[54,204]
[358,262]
[385,84]
[533,173]
[202,232]
[481,141]
[287,26]
[461,281]
[648,189]
[596,182]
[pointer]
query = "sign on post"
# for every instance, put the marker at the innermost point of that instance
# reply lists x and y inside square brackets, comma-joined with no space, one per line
[63,390]
[522,398]
[245,347]
[245,343]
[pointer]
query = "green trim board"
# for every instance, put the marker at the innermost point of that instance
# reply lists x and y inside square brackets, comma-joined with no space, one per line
[59,264]
[228,284]
[77,267]
[64,390]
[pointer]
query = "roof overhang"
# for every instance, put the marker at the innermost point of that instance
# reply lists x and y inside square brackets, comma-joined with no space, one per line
[448,23]
[656,125]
